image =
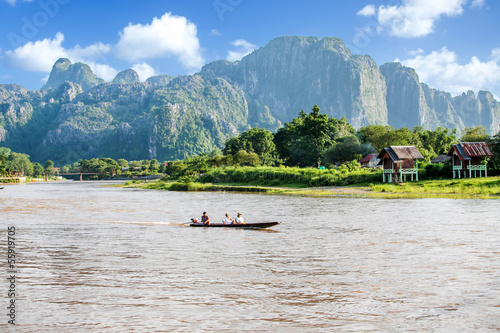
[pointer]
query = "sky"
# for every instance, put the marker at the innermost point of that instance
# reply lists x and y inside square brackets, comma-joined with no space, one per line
[454,45]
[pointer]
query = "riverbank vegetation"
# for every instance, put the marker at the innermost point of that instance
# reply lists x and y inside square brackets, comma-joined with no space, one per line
[313,150]
[14,164]
[471,188]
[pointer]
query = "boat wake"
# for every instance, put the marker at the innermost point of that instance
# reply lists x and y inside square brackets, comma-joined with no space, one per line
[144,222]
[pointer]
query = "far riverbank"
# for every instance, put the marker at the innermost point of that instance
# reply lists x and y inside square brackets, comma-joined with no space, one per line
[470,188]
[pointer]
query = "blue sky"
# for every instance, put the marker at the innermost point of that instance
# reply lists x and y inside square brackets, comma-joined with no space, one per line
[453,44]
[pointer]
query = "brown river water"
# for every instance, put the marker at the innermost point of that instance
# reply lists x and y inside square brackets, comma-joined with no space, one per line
[103,259]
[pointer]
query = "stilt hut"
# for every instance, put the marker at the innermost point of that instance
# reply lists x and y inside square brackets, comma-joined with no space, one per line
[398,162]
[469,158]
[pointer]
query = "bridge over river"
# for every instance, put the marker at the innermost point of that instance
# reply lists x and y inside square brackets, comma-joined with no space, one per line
[78,173]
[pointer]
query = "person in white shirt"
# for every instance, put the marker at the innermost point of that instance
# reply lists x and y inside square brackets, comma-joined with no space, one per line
[239,219]
[228,220]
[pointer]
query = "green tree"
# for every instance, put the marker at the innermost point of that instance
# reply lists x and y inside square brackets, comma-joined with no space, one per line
[380,136]
[3,165]
[37,169]
[122,163]
[103,167]
[244,158]
[111,167]
[92,166]
[494,144]
[474,134]
[134,164]
[176,169]
[49,168]
[255,140]
[145,165]
[65,168]
[5,152]
[197,164]
[346,150]
[75,167]
[216,161]
[306,138]
[20,163]
[437,142]
[154,166]
[318,130]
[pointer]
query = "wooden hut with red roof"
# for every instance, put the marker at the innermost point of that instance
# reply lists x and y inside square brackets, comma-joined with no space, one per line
[369,161]
[469,158]
[398,162]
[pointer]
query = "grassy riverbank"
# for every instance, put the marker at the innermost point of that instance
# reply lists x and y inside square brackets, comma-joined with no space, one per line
[475,188]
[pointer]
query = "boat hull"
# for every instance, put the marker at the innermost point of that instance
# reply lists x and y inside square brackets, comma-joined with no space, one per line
[257,225]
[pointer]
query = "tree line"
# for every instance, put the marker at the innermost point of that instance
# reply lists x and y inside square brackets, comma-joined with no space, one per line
[315,139]
[309,140]
[18,164]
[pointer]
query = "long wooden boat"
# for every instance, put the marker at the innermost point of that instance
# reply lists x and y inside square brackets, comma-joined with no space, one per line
[256,225]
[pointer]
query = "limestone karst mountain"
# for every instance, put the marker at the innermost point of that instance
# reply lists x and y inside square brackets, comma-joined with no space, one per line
[76,115]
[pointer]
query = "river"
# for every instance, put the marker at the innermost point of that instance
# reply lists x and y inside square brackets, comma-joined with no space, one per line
[91,258]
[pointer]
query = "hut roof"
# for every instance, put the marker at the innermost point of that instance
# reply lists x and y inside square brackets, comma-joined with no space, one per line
[367,158]
[441,159]
[466,150]
[400,153]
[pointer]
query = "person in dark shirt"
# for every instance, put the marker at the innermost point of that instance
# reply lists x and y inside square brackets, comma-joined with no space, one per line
[205,219]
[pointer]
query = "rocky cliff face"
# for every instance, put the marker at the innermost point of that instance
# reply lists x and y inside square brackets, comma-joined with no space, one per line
[483,110]
[78,73]
[294,73]
[490,111]
[160,80]
[406,103]
[411,103]
[15,110]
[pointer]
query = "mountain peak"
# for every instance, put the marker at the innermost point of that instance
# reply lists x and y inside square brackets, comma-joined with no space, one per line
[80,73]
[128,76]
[62,64]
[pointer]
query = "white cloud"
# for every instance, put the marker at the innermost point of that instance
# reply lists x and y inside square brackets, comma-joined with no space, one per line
[413,18]
[168,35]
[105,72]
[92,51]
[440,69]
[215,32]
[41,55]
[368,10]
[477,3]
[244,48]
[37,56]
[495,55]
[144,71]
[13,2]
[416,52]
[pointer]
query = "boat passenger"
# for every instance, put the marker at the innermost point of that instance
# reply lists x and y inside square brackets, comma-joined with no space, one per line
[205,219]
[228,220]
[239,219]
